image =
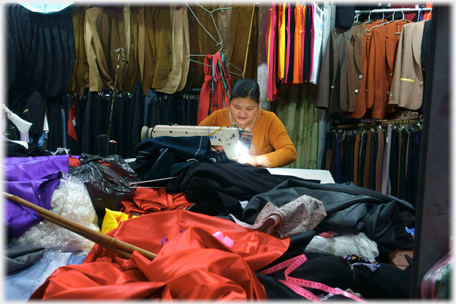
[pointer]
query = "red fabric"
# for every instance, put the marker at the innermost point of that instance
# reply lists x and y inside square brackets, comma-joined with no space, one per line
[72,122]
[219,90]
[190,265]
[147,200]
[73,161]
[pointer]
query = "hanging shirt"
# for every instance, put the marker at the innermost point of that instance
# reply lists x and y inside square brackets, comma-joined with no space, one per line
[271,51]
[216,90]
[282,39]
[317,43]
[288,42]
[297,44]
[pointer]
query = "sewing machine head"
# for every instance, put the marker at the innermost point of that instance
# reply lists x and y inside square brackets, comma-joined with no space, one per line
[233,140]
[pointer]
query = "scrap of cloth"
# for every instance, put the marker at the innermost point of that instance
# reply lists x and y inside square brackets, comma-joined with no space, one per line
[191,264]
[33,179]
[300,215]
[147,200]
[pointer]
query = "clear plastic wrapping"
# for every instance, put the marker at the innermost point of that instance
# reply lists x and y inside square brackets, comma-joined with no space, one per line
[342,245]
[71,200]
[436,282]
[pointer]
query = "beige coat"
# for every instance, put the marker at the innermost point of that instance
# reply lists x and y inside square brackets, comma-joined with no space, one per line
[407,86]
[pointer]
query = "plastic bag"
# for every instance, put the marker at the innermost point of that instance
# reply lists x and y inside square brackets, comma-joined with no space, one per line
[436,282]
[107,180]
[343,245]
[70,200]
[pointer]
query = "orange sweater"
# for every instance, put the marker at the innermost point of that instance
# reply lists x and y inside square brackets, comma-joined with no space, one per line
[269,136]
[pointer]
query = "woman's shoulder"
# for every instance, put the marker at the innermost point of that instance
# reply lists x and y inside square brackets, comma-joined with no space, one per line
[267,115]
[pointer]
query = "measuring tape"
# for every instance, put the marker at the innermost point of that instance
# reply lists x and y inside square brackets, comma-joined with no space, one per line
[297,284]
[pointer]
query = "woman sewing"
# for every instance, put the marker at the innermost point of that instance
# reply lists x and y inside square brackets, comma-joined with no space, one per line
[271,146]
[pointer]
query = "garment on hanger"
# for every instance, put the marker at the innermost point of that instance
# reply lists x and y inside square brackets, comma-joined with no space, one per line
[332,90]
[271,48]
[175,76]
[361,100]
[163,45]
[407,86]
[317,33]
[216,90]
[354,64]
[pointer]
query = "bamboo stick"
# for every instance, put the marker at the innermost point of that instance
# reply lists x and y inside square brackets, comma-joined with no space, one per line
[123,249]
[248,42]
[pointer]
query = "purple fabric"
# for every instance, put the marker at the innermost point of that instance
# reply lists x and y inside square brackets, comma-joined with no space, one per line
[33,179]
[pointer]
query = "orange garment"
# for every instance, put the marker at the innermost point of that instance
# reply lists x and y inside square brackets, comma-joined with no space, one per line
[297,43]
[191,264]
[269,136]
[428,15]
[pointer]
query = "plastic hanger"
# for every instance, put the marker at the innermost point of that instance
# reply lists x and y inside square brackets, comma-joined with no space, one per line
[369,18]
[384,23]
[356,22]
[403,19]
[217,42]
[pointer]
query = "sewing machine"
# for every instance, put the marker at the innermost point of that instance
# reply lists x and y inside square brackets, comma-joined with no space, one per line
[231,139]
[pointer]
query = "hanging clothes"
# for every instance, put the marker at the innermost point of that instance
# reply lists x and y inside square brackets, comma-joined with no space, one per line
[176,80]
[354,64]
[332,90]
[317,19]
[271,48]
[407,85]
[216,90]
[163,45]
[361,103]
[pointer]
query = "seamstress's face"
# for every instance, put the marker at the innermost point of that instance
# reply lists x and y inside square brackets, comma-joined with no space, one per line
[243,110]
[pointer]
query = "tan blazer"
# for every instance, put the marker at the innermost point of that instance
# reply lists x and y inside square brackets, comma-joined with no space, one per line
[161,17]
[96,59]
[407,86]
[177,51]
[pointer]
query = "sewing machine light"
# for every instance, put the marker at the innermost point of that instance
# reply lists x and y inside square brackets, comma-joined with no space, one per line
[241,148]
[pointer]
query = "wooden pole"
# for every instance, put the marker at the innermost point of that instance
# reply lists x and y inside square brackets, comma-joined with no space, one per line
[248,42]
[123,249]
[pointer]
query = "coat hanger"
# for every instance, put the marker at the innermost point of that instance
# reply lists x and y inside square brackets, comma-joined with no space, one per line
[403,19]
[356,22]
[218,43]
[385,21]
[369,18]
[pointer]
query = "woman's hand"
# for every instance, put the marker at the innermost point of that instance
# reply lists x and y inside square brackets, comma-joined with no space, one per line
[253,160]
[247,159]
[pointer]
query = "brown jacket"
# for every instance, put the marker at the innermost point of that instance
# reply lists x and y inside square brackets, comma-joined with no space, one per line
[354,64]
[332,89]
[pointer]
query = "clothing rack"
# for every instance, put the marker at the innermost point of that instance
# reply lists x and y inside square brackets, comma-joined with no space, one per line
[379,122]
[392,10]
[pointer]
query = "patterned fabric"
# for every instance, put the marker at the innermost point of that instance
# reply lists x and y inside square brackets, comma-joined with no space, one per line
[354,259]
[300,215]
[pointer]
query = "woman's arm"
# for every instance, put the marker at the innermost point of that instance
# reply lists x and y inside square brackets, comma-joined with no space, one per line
[284,150]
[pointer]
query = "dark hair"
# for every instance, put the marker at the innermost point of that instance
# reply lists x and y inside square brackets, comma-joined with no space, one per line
[245,87]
